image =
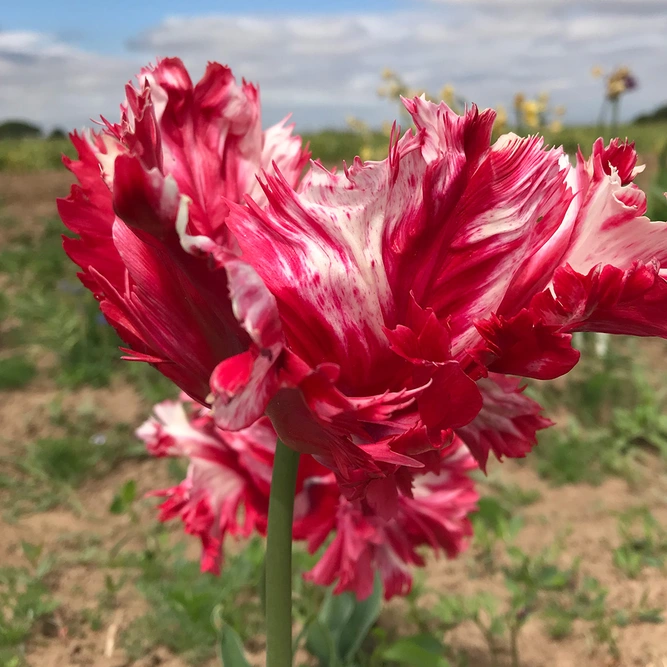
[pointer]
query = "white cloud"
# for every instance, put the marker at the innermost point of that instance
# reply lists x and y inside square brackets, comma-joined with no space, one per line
[53,83]
[324,68]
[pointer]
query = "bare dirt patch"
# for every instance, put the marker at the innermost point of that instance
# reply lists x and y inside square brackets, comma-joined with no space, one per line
[27,199]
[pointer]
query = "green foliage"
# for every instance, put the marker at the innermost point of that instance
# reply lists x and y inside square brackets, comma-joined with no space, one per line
[493,525]
[657,202]
[416,651]
[123,500]
[341,626]
[50,469]
[57,134]
[19,129]
[331,147]
[643,542]
[149,382]
[659,114]
[75,458]
[56,312]
[646,136]
[33,154]
[512,496]
[24,601]
[16,371]
[182,601]
[575,454]
[229,647]
[612,414]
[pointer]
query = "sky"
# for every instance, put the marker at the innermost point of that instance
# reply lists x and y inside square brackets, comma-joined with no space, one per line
[65,62]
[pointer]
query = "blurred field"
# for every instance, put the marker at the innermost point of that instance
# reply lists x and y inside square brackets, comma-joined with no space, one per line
[567,567]
[332,146]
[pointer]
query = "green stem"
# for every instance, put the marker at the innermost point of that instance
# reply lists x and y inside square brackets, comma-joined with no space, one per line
[279,558]
[514,646]
[614,114]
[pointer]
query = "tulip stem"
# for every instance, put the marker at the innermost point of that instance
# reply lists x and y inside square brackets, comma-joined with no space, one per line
[279,558]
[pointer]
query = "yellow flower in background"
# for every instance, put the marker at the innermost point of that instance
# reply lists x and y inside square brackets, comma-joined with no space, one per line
[531,113]
[447,95]
[620,81]
[366,153]
[597,71]
[415,92]
[386,128]
[369,150]
[501,116]
[357,125]
[543,101]
[615,87]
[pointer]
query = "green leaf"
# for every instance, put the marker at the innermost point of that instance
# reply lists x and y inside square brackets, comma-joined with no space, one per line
[324,634]
[32,552]
[321,643]
[342,625]
[124,498]
[552,578]
[417,651]
[360,622]
[229,648]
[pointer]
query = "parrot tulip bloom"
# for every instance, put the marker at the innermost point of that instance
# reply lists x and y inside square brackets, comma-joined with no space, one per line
[371,314]
[229,476]
[435,516]
[226,492]
[397,286]
[176,141]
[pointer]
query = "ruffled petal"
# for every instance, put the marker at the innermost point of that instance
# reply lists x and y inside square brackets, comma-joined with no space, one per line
[607,276]
[226,491]
[181,154]
[368,540]
[611,228]
[506,425]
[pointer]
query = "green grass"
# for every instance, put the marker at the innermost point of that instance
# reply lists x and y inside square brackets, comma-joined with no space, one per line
[649,138]
[49,470]
[182,601]
[25,155]
[16,371]
[613,417]
[74,459]
[643,542]
[657,203]
[333,146]
[54,310]
[25,601]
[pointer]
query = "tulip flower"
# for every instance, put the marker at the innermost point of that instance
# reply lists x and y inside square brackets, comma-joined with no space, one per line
[378,317]
[399,285]
[175,140]
[226,492]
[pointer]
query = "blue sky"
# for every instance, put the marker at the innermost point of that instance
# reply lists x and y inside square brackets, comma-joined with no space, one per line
[106,26]
[62,63]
